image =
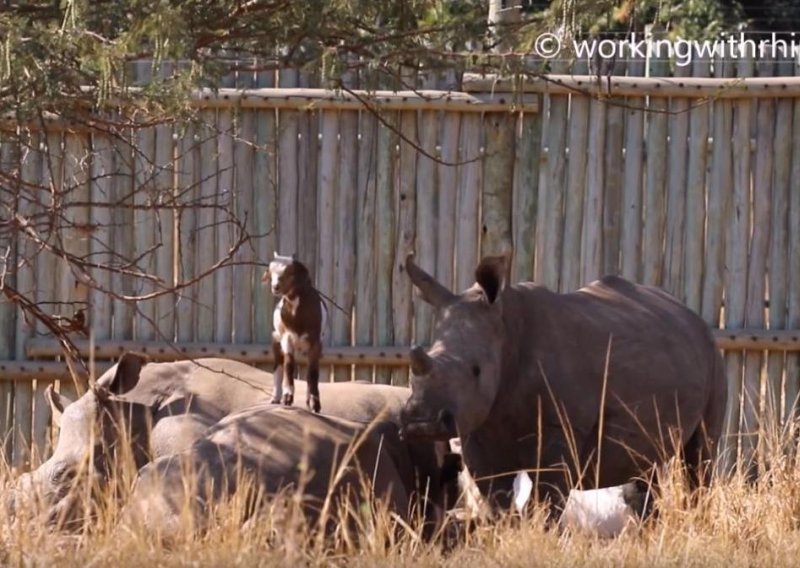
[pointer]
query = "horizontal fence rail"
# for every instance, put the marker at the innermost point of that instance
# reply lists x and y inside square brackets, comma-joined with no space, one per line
[323,99]
[37,349]
[620,86]
[309,99]
[248,353]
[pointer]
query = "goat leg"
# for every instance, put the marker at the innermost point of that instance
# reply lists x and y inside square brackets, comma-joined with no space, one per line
[277,373]
[289,370]
[312,400]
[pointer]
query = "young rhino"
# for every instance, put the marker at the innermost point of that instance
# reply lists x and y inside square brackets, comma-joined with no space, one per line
[299,325]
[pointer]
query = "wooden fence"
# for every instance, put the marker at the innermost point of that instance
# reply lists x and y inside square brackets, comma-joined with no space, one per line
[680,185]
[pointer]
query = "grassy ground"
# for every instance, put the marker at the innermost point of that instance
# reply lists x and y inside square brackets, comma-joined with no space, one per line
[734,524]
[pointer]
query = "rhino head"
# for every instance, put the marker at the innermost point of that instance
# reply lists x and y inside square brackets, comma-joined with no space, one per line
[97,432]
[454,384]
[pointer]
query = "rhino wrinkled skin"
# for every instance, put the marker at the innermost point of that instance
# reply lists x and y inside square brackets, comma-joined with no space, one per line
[518,372]
[149,411]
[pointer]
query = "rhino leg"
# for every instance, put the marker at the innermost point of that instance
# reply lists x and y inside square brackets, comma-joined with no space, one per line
[698,456]
[312,399]
[639,496]
[700,450]
[277,378]
[553,477]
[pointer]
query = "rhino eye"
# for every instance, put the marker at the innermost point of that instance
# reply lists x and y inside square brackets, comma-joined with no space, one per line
[476,371]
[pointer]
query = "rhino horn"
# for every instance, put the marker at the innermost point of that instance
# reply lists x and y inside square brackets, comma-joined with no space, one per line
[432,292]
[57,403]
[421,363]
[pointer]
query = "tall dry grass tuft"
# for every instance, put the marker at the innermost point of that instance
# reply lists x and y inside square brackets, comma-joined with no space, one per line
[736,522]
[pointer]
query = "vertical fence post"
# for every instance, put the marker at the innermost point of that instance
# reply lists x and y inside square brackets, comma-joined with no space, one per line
[9,328]
[738,239]
[631,247]
[693,249]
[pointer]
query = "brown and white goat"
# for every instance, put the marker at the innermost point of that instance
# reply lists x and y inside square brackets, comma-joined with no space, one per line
[299,327]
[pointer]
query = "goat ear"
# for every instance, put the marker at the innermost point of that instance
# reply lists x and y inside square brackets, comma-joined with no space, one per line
[57,403]
[491,275]
[124,377]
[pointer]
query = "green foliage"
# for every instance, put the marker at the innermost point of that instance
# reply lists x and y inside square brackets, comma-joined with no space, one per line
[689,19]
[56,57]
[76,54]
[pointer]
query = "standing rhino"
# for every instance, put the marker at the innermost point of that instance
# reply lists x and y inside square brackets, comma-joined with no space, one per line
[268,450]
[593,387]
[148,410]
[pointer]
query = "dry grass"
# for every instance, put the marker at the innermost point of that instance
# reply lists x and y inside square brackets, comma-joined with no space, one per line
[735,523]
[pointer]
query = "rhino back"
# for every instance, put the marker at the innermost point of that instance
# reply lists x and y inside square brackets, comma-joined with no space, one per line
[280,449]
[654,346]
[217,387]
[363,402]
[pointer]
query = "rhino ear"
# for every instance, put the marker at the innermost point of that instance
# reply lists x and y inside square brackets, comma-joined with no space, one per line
[124,379]
[432,292]
[491,275]
[57,403]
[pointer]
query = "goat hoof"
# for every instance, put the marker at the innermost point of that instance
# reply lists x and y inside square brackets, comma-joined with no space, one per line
[288,399]
[275,401]
[313,404]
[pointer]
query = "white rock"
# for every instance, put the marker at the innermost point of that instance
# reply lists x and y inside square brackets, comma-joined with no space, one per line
[602,512]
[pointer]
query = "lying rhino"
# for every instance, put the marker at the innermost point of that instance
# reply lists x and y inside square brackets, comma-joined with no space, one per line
[321,461]
[164,408]
[534,380]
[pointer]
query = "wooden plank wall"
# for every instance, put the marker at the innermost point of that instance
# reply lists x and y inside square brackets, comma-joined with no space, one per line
[693,195]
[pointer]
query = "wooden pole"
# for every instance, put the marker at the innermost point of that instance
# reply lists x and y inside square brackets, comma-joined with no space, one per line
[405,206]
[576,188]
[696,199]
[760,202]
[727,339]
[366,258]
[678,131]
[468,201]
[8,316]
[264,204]
[323,99]
[631,245]
[524,197]
[552,174]
[612,178]
[326,229]
[387,141]
[427,226]
[619,86]
[655,184]
[346,212]
[736,259]
[591,256]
